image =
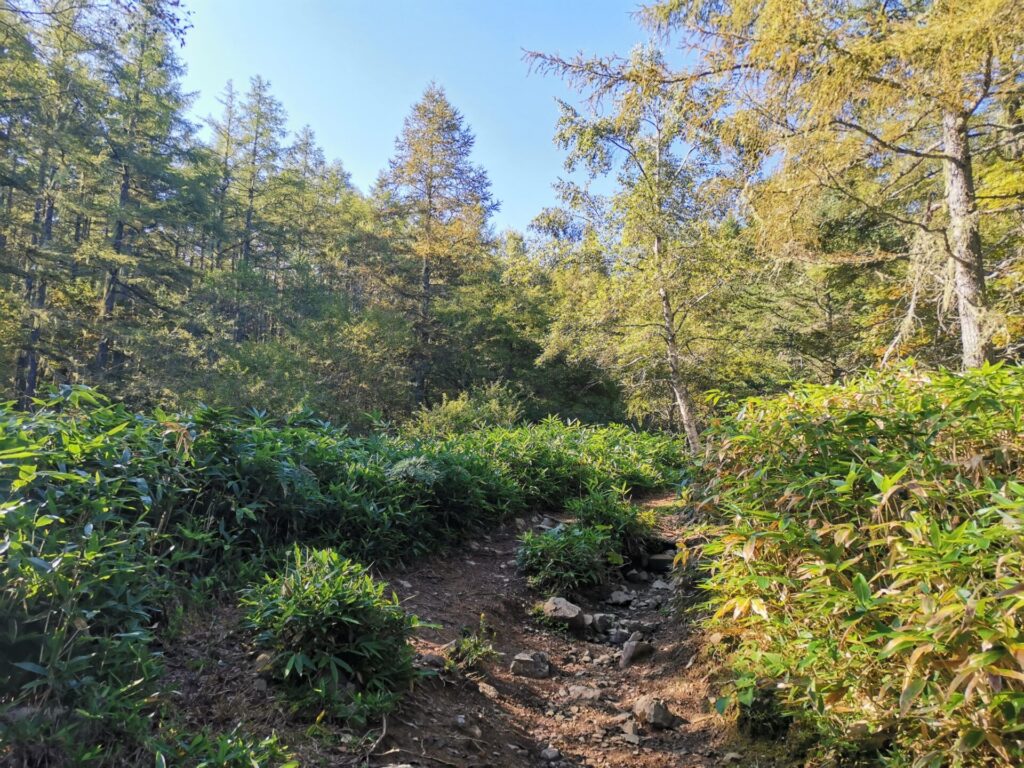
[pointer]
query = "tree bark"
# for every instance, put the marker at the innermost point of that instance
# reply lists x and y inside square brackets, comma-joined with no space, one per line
[680,393]
[964,239]
[113,274]
[422,367]
[26,365]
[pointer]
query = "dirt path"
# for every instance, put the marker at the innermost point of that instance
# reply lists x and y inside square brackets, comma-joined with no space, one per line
[488,716]
[583,709]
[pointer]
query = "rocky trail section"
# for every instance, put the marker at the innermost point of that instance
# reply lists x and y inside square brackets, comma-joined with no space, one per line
[612,678]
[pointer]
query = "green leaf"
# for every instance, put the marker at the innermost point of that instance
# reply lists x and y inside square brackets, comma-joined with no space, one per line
[910,693]
[29,666]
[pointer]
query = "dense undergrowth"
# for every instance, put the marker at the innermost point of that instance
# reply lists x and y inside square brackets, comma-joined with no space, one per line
[868,575]
[606,529]
[111,519]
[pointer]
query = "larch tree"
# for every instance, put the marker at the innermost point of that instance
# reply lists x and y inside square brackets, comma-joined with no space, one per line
[441,202]
[664,253]
[893,105]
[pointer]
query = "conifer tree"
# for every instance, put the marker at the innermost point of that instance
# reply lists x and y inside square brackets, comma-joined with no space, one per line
[888,104]
[441,202]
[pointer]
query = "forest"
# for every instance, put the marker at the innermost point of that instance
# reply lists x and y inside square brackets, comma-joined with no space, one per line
[772,333]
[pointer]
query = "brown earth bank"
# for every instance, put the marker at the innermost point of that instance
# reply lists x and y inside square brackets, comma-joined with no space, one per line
[587,710]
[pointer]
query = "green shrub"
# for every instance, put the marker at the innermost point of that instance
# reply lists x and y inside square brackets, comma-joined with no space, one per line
[472,647]
[227,750]
[336,637]
[628,526]
[567,558]
[871,567]
[496,404]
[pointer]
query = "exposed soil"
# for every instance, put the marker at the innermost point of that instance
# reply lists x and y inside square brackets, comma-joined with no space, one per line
[489,717]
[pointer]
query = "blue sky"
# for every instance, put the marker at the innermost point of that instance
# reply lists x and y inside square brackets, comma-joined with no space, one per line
[351,69]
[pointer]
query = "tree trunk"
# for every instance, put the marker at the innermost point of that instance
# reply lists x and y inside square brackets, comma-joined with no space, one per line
[964,240]
[422,367]
[113,275]
[680,393]
[26,365]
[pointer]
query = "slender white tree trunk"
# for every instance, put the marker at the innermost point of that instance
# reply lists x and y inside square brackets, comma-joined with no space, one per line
[965,240]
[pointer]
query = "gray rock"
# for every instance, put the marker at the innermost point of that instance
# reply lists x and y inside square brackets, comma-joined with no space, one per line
[618,636]
[433,660]
[653,712]
[603,622]
[630,728]
[533,665]
[619,597]
[661,562]
[660,584]
[260,686]
[584,693]
[550,754]
[731,757]
[634,651]
[637,577]
[560,610]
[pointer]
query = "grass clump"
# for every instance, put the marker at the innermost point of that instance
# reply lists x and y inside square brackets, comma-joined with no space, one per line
[629,527]
[567,558]
[472,648]
[870,564]
[606,531]
[234,749]
[338,640]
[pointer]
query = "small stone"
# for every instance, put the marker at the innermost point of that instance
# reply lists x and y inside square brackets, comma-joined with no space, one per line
[630,728]
[265,664]
[731,757]
[260,685]
[562,611]
[602,622]
[550,754]
[634,651]
[619,597]
[533,665]
[618,636]
[660,584]
[653,712]
[584,693]
[433,660]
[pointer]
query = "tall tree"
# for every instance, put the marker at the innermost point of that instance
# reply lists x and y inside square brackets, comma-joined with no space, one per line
[147,143]
[664,248]
[881,102]
[442,201]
